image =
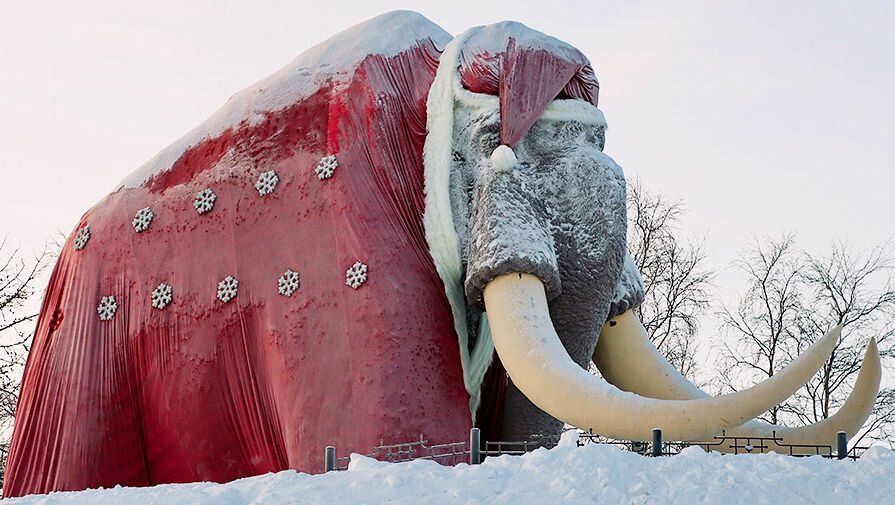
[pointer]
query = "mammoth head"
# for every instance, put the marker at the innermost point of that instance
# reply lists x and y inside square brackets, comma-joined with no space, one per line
[552,205]
[525,219]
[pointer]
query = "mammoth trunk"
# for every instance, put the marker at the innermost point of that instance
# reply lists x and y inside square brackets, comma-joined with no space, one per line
[557,213]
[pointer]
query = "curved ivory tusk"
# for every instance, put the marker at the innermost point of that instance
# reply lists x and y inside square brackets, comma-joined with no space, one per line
[626,358]
[540,367]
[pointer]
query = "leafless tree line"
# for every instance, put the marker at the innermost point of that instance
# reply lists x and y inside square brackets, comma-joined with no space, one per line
[18,284]
[790,299]
[677,282]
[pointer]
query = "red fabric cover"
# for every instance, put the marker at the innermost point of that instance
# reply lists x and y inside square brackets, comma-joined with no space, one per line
[527,70]
[212,391]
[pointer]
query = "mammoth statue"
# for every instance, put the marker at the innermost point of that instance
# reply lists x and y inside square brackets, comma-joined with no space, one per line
[399,233]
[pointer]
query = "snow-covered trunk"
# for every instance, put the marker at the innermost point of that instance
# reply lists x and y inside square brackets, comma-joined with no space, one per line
[557,211]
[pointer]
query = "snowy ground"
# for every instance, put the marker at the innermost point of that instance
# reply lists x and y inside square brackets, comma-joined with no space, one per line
[567,474]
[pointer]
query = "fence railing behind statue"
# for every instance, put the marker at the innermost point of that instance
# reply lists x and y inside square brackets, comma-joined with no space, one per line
[446,454]
[459,452]
[734,445]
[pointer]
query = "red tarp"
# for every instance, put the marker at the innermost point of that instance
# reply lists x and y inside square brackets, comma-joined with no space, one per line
[204,390]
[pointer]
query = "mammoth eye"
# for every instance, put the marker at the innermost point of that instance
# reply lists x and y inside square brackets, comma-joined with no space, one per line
[571,129]
[487,136]
[600,135]
[488,142]
[457,157]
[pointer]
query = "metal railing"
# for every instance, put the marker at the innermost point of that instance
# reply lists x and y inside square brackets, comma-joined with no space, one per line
[761,445]
[473,451]
[519,447]
[446,454]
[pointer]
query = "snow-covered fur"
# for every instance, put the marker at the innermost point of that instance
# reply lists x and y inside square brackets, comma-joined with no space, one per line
[629,291]
[444,243]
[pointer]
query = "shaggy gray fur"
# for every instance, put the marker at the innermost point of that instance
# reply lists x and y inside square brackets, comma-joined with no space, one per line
[559,214]
[628,291]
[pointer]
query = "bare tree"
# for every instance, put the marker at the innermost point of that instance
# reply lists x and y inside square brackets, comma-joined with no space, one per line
[760,331]
[857,291]
[676,280]
[18,279]
[791,299]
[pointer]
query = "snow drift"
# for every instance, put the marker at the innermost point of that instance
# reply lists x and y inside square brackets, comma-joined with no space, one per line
[566,474]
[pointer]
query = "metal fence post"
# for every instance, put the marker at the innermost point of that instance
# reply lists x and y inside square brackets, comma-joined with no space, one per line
[329,459]
[475,446]
[657,442]
[841,445]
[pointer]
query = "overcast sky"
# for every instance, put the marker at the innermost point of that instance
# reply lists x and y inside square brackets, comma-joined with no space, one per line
[762,117]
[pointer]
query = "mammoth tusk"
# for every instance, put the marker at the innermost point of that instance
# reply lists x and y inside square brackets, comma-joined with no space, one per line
[540,367]
[626,358]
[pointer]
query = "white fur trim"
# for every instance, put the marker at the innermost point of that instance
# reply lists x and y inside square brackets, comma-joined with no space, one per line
[503,158]
[557,110]
[444,245]
[573,110]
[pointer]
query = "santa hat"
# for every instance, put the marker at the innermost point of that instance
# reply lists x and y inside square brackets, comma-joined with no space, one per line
[527,76]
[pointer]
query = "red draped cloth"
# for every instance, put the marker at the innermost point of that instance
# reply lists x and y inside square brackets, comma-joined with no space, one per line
[207,390]
[210,391]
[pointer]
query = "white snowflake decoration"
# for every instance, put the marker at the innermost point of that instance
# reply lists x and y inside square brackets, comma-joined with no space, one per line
[82,237]
[267,182]
[227,289]
[288,283]
[162,296]
[205,200]
[356,275]
[107,307]
[326,167]
[143,219]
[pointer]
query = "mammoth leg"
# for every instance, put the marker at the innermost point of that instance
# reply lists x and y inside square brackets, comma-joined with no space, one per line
[522,418]
[626,358]
[76,425]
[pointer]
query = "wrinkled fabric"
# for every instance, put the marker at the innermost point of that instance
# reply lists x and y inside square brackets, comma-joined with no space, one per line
[527,70]
[210,391]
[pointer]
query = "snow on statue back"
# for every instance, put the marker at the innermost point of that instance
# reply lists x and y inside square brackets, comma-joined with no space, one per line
[235,380]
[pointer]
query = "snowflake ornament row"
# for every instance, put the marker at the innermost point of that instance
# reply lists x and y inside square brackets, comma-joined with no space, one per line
[287,285]
[205,199]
